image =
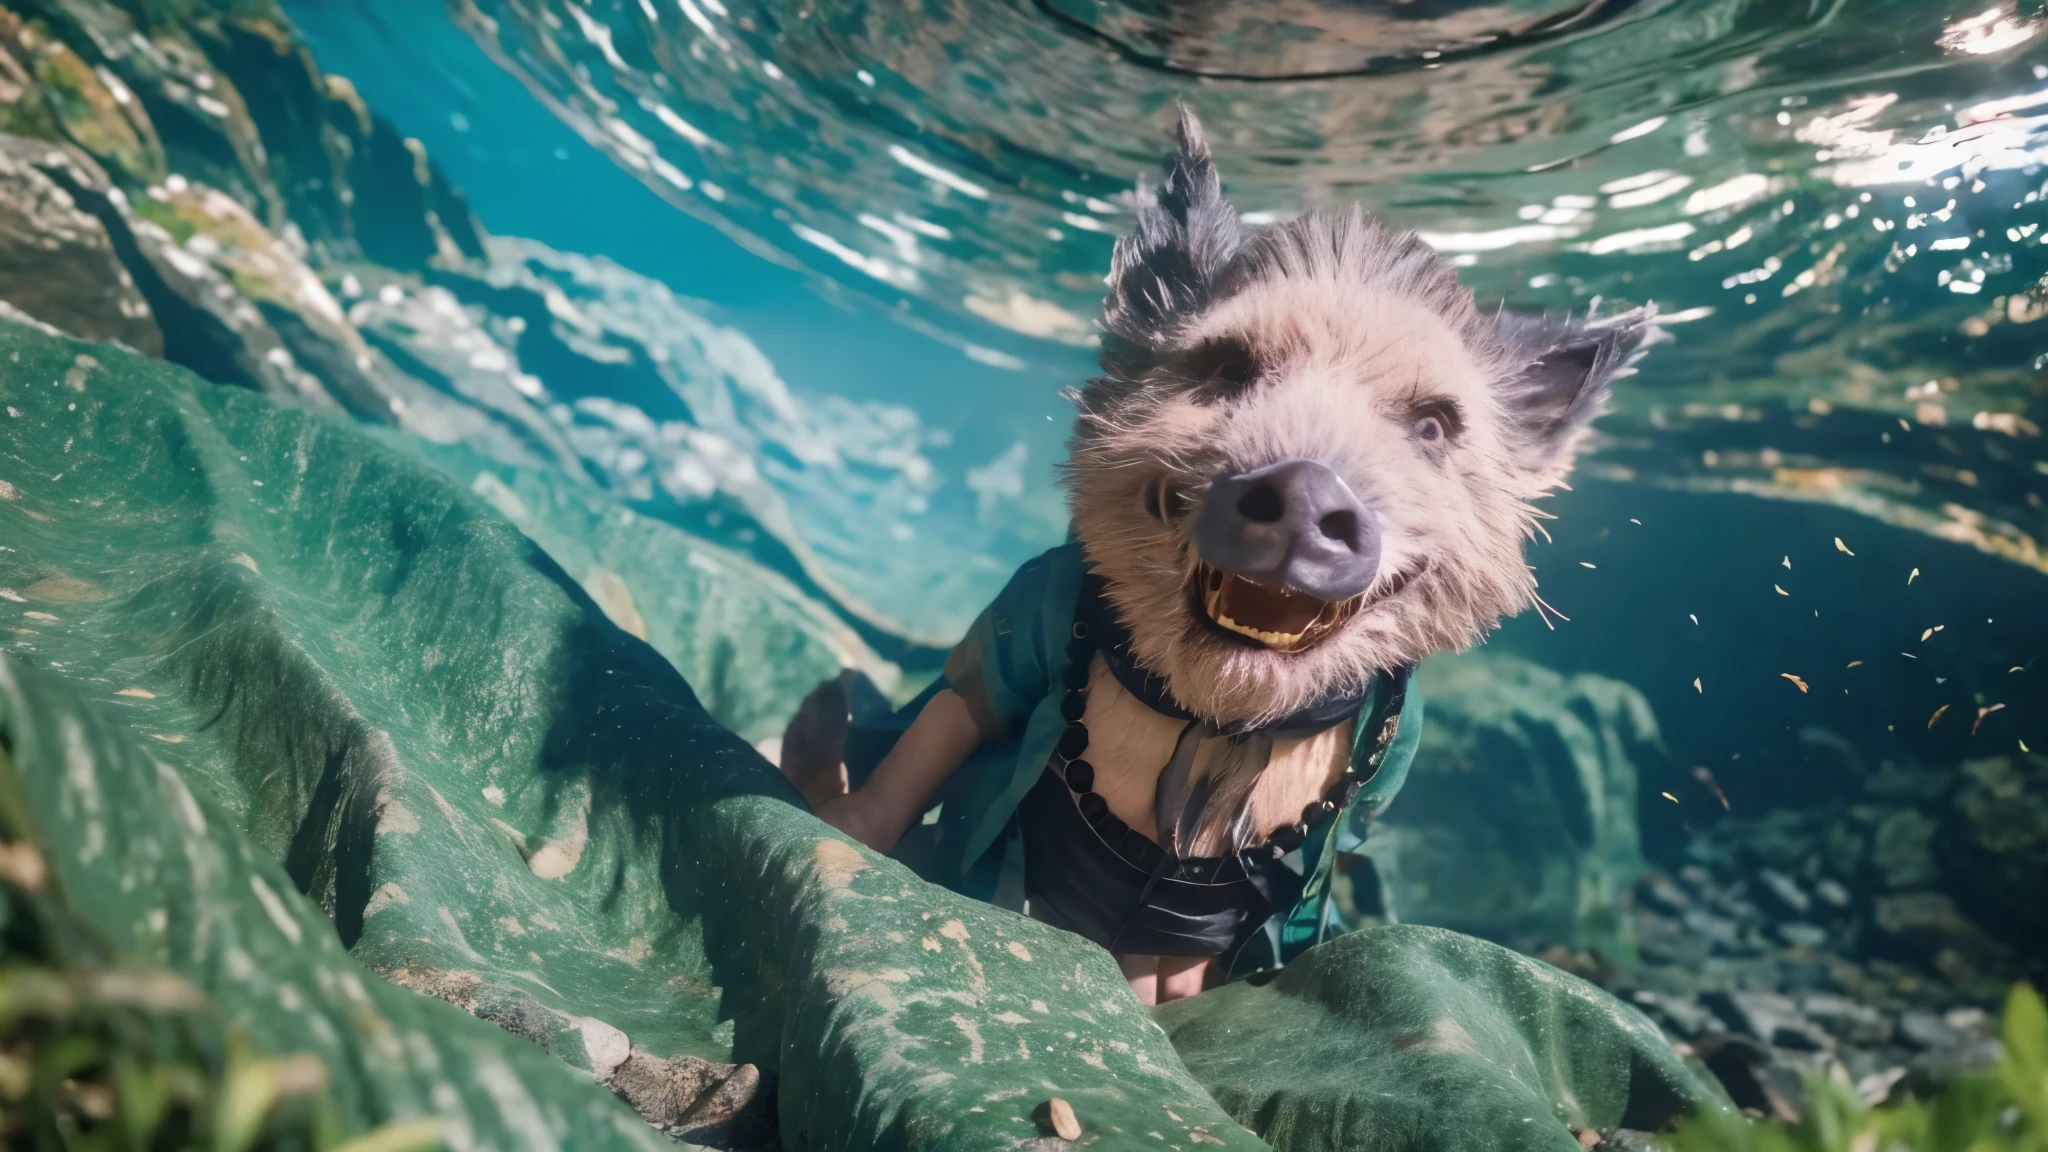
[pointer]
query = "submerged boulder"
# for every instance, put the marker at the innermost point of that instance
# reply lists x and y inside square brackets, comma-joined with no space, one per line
[89,108]
[57,262]
[1995,846]
[379,699]
[1518,821]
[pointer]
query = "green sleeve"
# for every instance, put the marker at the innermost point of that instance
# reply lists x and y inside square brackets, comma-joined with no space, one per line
[1004,666]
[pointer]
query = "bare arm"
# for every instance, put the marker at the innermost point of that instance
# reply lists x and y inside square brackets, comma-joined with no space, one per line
[879,812]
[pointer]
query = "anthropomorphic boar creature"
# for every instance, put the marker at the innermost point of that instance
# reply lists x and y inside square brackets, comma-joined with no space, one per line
[1306,465]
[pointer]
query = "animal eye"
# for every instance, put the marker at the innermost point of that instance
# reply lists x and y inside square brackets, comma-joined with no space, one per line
[1224,366]
[1160,499]
[1436,421]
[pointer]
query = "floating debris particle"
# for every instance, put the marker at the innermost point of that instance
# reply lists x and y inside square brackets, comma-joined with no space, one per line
[1636,522]
[11,594]
[1693,618]
[1987,710]
[1938,714]
[1909,655]
[1912,576]
[22,866]
[1583,564]
[2015,668]
[1696,686]
[1841,547]
[1779,591]
[1706,778]
[1788,563]
[1855,663]
[1903,425]
[2024,748]
[1801,684]
[1930,632]
[167,739]
[138,693]
[1668,796]
[44,616]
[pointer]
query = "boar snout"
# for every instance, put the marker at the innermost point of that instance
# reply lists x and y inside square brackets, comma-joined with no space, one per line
[1295,525]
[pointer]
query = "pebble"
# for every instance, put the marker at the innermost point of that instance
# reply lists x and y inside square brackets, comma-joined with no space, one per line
[1770,1017]
[1784,890]
[1850,1021]
[1682,1014]
[1803,935]
[1065,1124]
[1928,1032]
[1832,892]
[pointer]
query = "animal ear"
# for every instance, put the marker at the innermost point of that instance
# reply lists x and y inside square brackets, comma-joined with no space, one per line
[1166,270]
[1563,368]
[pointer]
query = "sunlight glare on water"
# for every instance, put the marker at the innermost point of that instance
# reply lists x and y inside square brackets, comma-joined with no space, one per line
[1785,180]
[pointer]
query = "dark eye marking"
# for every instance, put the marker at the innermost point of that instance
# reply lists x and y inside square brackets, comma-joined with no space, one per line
[1162,499]
[1436,421]
[1222,368]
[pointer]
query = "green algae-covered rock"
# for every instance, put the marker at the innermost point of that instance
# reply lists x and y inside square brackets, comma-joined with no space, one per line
[1518,821]
[501,798]
[1403,1038]
[162,876]
[747,640]
[274,657]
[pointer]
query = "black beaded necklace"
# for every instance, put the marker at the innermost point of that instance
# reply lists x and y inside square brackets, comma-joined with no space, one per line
[1079,775]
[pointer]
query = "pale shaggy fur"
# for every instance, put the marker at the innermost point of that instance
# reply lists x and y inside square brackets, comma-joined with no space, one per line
[1351,326]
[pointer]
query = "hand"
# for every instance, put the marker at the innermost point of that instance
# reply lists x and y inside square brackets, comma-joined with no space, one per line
[883,809]
[855,814]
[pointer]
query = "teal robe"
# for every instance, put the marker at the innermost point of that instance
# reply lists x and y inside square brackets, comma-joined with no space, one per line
[1008,669]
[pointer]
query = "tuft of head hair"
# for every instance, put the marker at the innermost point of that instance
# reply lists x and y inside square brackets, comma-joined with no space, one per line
[1165,271]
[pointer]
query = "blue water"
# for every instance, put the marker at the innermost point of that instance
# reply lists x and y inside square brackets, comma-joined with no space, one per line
[908,213]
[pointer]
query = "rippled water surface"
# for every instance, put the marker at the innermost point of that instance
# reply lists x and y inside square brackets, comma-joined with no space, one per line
[900,215]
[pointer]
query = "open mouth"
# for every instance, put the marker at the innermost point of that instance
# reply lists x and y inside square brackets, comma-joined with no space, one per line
[1276,618]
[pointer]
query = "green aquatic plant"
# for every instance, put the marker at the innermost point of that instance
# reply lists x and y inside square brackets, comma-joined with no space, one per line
[2001,1109]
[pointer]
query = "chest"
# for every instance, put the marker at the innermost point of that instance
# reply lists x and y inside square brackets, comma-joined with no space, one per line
[1129,744]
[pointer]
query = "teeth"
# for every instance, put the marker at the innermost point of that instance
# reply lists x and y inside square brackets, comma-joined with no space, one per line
[1212,601]
[1284,641]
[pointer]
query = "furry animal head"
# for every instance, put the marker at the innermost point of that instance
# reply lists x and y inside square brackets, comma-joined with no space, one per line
[1328,344]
